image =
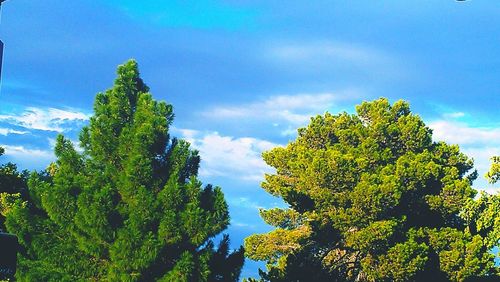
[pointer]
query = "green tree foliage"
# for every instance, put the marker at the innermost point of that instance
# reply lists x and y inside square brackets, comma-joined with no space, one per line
[372,198]
[127,208]
[493,175]
[12,185]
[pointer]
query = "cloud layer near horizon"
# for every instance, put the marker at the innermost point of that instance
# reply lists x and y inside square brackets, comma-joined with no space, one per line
[45,119]
[239,157]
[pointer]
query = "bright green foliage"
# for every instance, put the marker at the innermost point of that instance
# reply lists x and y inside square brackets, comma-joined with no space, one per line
[482,217]
[129,207]
[493,175]
[372,198]
[12,185]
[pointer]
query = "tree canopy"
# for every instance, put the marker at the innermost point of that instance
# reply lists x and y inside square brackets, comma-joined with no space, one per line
[493,175]
[371,197]
[126,207]
[12,184]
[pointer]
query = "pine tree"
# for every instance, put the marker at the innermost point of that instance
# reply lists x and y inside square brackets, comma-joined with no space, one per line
[127,208]
[372,198]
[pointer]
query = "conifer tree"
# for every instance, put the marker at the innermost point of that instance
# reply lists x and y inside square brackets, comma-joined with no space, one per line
[372,198]
[129,207]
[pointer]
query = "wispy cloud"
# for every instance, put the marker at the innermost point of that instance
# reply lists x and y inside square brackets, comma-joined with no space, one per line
[324,52]
[18,151]
[292,110]
[31,158]
[247,203]
[49,119]
[250,203]
[7,131]
[237,158]
[454,115]
[323,56]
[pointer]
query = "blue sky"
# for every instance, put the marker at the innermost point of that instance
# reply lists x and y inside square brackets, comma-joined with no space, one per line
[244,75]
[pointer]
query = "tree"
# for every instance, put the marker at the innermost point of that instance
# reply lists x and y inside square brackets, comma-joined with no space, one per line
[493,175]
[372,198]
[129,207]
[12,184]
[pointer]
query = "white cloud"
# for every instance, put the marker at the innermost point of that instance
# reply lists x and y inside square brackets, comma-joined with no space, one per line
[476,142]
[482,156]
[187,134]
[32,158]
[235,223]
[7,131]
[290,108]
[244,202]
[462,134]
[454,115]
[238,158]
[22,151]
[50,119]
[491,191]
[293,110]
[337,59]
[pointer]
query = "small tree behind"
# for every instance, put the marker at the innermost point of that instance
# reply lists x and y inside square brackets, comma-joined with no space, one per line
[372,198]
[129,207]
[13,184]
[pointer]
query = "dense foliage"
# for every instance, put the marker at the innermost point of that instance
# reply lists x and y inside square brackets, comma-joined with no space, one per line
[372,198]
[129,207]
[12,184]
[493,175]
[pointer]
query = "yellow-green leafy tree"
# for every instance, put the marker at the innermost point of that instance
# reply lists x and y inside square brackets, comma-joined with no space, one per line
[493,175]
[371,197]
